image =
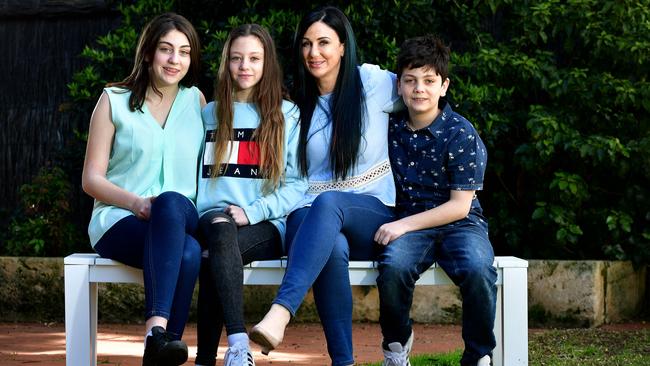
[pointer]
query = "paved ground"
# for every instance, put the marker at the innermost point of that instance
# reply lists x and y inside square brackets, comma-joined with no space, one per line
[41,344]
[44,344]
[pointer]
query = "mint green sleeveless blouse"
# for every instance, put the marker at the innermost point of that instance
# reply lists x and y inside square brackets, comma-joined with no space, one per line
[147,159]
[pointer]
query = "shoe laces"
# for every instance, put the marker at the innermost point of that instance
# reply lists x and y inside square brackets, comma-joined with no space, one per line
[239,355]
[392,358]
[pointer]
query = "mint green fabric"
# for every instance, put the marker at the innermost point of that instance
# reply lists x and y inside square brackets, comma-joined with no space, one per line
[147,159]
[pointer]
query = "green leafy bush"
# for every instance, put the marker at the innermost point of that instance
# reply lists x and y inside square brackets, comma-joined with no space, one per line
[559,90]
[45,226]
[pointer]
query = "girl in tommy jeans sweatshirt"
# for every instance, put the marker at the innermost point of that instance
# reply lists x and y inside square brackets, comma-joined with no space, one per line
[249,182]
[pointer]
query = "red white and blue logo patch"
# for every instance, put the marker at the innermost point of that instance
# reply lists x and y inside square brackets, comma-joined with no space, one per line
[242,156]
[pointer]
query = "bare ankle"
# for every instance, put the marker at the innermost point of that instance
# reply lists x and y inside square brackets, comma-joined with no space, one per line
[279,313]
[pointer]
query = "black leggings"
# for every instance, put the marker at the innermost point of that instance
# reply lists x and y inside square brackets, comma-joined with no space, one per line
[221,278]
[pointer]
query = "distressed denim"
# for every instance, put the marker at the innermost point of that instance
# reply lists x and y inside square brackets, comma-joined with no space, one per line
[221,289]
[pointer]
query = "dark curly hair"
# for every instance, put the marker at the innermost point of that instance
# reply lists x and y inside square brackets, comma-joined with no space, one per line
[425,51]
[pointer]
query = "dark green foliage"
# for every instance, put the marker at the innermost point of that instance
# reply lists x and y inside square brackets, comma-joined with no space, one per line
[558,91]
[45,226]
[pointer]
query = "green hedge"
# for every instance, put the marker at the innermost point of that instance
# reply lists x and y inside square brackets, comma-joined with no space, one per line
[558,90]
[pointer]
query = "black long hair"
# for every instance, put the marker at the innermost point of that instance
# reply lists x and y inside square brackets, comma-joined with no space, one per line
[347,103]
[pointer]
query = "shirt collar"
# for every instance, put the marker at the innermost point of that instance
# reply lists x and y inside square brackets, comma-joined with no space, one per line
[445,113]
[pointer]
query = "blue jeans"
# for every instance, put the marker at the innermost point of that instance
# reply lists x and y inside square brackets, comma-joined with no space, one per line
[322,239]
[462,249]
[165,250]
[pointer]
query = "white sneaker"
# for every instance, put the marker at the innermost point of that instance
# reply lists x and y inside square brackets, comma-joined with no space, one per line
[484,361]
[398,354]
[239,355]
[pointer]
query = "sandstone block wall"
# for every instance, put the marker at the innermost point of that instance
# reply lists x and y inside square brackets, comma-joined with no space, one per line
[560,293]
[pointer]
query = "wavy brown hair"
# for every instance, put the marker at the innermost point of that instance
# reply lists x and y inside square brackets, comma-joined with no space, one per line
[140,77]
[267,95]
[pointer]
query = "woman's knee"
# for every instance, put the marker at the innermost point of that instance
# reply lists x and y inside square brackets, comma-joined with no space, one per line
[175,207]
[341,251]
[212,221]
[169,199]
[217,229]
[328,200]
[191,254]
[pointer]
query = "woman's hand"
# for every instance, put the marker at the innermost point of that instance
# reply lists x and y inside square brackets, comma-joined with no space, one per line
[141,207]
[238,215]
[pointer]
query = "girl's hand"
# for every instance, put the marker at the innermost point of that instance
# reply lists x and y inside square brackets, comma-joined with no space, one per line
[141,208]
[238,215]
[389,232]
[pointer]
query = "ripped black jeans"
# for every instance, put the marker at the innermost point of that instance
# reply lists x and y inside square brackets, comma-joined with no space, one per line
[221,278]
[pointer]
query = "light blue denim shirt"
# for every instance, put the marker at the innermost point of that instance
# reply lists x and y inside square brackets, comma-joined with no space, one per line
[372,174]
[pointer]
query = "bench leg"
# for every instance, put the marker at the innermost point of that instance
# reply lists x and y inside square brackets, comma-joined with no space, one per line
[78,329]
[93,323]
[515,317]
[497,353]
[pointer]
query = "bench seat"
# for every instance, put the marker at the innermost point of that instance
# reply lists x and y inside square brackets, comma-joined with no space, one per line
[83,271]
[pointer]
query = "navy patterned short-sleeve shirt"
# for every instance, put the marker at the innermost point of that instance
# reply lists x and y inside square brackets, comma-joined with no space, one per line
[430,162]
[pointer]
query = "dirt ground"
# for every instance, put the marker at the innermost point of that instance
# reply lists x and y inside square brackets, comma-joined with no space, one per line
[42,344]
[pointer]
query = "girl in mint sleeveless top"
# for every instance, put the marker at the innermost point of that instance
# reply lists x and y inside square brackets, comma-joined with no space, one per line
[141,161]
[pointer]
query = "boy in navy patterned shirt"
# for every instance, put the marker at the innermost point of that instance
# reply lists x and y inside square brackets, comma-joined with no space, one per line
[438,162]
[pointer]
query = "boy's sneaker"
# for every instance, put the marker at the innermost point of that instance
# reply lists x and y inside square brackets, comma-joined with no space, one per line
[398,355]
[484,361]
[161,350]
[239,355]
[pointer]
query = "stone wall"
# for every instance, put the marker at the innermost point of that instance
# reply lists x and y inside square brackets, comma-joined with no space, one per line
[584,293]
[560,293]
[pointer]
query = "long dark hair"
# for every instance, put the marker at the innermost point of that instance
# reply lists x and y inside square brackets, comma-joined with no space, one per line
[347,103]
[267,94]
[140,77]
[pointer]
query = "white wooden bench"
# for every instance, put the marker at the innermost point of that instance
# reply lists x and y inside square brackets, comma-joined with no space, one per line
[84,271]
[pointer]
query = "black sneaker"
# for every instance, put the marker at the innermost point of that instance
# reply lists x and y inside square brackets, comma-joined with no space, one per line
[161,350]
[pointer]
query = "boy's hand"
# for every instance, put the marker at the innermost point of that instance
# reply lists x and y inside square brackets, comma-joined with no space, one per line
[389,232]
[237,213]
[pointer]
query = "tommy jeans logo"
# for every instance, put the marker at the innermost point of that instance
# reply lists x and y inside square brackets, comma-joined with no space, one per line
[242,155]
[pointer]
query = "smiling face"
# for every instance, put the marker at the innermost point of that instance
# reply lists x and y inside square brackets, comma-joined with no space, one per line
[421,88]
[246,65]
[171,59]
[321,52]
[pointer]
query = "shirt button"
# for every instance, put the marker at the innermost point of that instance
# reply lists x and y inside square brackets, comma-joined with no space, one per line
[410,188]
[415,135]
[411,163]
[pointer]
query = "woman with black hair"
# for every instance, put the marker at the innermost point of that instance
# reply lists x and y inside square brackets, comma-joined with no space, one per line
[343,152]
